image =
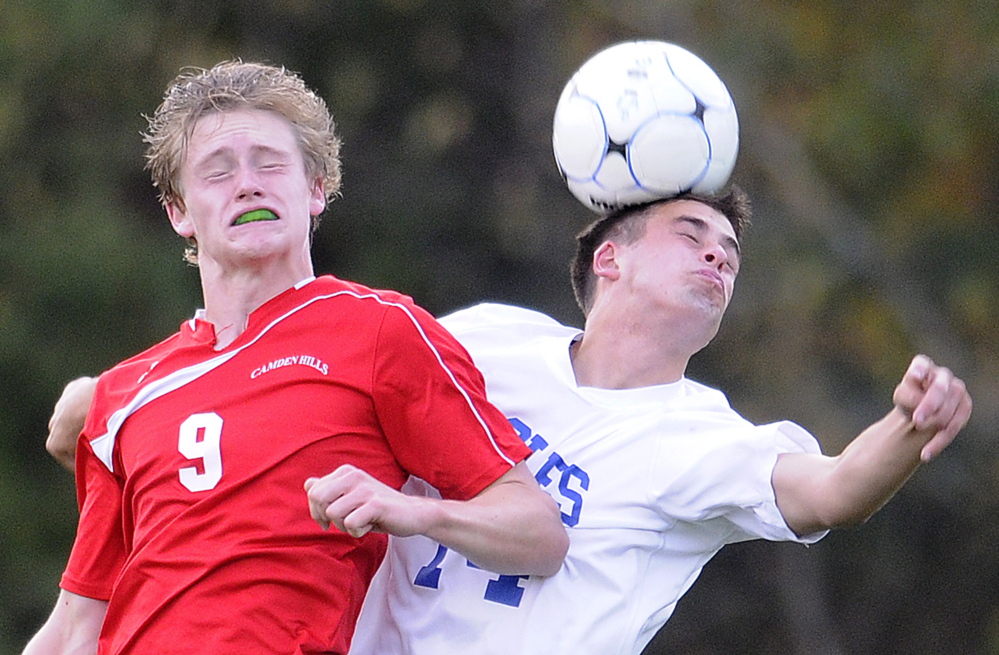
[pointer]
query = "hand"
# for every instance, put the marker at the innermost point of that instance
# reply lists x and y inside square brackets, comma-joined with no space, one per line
[357,503]
[67,420]
[935,400]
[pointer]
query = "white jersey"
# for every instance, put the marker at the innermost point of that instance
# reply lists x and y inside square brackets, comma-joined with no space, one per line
[651,483]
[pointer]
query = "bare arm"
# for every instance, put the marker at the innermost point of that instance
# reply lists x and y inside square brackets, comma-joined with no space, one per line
[71,629]
[67,420]
[511,527]
[816,492]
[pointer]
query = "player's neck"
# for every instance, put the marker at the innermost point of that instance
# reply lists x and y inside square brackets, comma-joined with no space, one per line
[630,341]
[232,295]
[610,359]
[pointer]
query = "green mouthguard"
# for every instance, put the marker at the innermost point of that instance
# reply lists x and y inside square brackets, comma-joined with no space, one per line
[256,215]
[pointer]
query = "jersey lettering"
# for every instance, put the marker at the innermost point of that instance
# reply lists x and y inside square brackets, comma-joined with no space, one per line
[504,589]
[201,439]
[573,497]
[571,481]
[430,575]
[534,441]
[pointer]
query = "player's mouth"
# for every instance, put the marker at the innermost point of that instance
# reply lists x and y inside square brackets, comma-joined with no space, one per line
[714,279]
[256,215]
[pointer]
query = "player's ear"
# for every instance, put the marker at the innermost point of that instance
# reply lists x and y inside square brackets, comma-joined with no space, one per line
[179,219]
[317,199]
[605,262]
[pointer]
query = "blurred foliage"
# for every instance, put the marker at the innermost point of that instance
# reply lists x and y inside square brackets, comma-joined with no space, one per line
[870,146]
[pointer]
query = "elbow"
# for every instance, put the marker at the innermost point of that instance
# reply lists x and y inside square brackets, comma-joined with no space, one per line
[546,548]
[61,452]
[557,540]
[557,547]
[828,514]
[836,518]
[548,544]
[851,517]
[540,554]
[844,521]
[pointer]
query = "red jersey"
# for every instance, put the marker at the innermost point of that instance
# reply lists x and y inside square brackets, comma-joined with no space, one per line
[194,523]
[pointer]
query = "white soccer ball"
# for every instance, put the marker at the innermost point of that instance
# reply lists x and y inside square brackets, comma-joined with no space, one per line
[641,121]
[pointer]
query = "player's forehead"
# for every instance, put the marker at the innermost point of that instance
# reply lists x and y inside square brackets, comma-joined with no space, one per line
[240,129]
[694,212]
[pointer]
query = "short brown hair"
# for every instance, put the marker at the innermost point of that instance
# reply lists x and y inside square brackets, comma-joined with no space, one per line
[230,85]
[628,225]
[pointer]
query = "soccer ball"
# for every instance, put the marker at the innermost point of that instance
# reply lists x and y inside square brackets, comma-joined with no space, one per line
[642,121]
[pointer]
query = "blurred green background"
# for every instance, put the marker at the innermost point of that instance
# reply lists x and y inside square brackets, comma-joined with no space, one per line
[870,144]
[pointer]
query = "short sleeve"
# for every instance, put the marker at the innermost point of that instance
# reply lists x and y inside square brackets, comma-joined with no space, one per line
[764,520]
[99,551]
[727,475]
[431,402]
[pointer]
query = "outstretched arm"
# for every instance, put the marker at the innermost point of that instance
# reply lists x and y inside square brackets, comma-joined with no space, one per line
[816,492]
[67,420]
[511,527]
[71,629]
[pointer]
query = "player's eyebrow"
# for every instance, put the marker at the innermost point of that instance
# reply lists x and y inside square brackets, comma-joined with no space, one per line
[728,242]
[217,158]
[225,153]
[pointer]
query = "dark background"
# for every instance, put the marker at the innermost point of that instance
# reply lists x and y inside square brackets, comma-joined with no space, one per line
[869,145]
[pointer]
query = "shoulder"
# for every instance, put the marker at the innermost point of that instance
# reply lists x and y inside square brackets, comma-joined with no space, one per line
[505,330]
[359,303]
[699,393]
[328,285]
[714,411]
[117,385]
[142,361]
[497,317]
[390,320]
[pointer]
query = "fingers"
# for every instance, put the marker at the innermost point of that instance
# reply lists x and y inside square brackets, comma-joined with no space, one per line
[352,512]
[344,499]
[910,390]
[942,395]
[944,437]
[936,401]
[322,492]
[317,507]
